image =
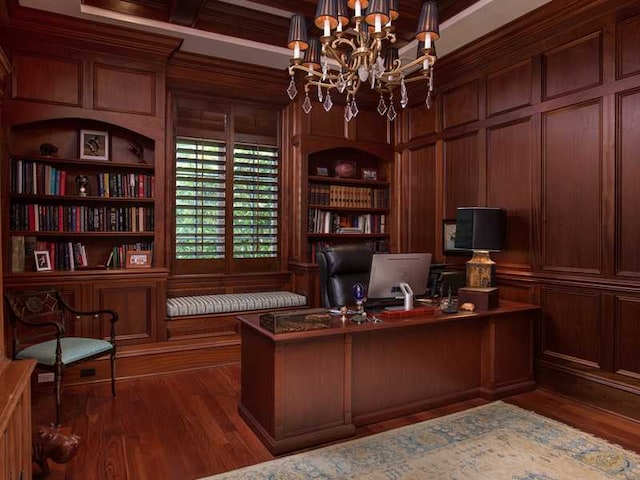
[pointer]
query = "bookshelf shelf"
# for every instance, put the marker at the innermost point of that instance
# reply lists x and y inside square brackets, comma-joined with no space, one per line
[346,210]
[85,164]
[81,211]
[68,199]
[56,234]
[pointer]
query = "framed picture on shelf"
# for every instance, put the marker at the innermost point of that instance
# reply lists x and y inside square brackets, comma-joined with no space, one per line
[449,238]
[138,259]
[369,174]
[94,145]
[43,261]
[322,171]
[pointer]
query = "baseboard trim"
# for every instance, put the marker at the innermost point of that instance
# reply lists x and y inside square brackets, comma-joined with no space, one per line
[135,361]
[588,387]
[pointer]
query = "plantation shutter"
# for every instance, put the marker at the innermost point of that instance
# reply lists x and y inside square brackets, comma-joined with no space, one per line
[255,201]
[200,198]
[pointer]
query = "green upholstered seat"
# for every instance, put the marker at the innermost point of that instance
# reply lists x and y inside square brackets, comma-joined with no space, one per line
[73,350]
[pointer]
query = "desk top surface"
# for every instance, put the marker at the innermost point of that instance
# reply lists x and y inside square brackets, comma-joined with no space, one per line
[396,320]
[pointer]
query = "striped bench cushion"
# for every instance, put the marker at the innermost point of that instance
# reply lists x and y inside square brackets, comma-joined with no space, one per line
[232,302]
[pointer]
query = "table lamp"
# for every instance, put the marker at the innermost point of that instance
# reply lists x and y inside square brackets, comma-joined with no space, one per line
[481,230]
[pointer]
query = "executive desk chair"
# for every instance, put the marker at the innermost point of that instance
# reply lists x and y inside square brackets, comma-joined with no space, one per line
[340,267]
[37,318]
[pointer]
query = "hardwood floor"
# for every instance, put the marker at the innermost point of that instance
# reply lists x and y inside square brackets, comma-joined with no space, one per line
[184,426]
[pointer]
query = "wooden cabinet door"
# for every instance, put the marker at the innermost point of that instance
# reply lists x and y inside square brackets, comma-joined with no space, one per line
[137,307]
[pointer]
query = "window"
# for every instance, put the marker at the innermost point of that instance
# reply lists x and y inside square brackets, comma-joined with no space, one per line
[204,173]
[255,201]
[200,199]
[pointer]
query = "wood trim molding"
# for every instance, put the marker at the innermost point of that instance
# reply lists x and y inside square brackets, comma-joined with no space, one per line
[53,28]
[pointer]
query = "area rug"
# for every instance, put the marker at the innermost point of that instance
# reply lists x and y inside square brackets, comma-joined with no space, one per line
[492,442]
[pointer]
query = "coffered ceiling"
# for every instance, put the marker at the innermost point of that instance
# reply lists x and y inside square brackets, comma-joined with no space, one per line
[255,31]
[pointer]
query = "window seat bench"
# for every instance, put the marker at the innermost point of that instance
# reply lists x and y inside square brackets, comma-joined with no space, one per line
[201,316]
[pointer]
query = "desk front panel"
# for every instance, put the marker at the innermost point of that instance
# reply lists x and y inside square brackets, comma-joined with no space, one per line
[401,370]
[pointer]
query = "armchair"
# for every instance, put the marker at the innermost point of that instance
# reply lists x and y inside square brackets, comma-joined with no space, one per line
[340,267]
[37,318]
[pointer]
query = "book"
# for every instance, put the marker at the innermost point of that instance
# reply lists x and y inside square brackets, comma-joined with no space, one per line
[17,254]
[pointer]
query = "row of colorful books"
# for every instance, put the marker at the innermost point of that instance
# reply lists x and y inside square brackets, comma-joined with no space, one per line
[347,196]
[66,255]
[37,179]
[80,218]
[127,185]
[321,221]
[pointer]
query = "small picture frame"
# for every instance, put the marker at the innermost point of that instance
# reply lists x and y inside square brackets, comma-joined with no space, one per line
[369,174]
[43,261]
[94,145]
[138,259]
[322,171]
[449,238]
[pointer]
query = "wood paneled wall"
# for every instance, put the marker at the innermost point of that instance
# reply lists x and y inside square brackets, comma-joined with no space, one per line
[549,129]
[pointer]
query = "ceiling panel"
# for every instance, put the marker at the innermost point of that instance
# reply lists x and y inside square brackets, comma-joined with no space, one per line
[234,18]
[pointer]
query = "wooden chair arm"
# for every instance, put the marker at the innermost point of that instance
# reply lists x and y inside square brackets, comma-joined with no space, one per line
[90,313]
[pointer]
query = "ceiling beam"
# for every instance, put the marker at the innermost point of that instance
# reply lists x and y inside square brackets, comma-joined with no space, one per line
[185,12]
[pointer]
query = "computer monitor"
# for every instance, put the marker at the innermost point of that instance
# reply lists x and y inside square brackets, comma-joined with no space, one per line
[388,270]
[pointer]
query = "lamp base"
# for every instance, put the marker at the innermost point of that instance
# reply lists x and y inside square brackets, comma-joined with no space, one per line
[481,270]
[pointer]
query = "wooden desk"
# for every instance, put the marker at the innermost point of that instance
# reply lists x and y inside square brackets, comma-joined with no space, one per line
[306,388]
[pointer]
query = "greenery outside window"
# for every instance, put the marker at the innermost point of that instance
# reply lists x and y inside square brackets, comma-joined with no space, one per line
[216,232]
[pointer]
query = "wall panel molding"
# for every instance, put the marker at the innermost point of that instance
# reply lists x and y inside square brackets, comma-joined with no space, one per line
[572,189]
[461,173]
[46,78]
[510,186]
[628,47]
[125,90]
[574,66]
[460,105]
[510,88]
[627,180]
[571,326]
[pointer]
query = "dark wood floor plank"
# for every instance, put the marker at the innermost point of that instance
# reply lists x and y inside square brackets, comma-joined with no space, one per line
[183,426]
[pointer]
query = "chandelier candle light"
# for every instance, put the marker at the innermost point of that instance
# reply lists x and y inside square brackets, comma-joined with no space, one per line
[357,50]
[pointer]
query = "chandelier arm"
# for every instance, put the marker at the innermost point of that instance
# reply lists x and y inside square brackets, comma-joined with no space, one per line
[315,83]
[418,61]
[314,73]
[342,41]
[406,80]
[338,58]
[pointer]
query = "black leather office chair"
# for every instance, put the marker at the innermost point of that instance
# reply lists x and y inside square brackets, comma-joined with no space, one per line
[340,267]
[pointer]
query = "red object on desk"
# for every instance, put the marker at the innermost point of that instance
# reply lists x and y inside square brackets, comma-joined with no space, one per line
[407,313]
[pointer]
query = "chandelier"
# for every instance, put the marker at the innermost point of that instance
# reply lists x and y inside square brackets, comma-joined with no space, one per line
[357,48]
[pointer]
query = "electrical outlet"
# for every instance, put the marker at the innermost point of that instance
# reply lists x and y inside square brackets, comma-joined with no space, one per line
[45,377]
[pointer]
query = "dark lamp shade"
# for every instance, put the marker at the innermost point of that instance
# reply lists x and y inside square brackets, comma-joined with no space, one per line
[375,8]
[394,13]
[343,12]
[352,4]
[480,228]
[428,23]
[298,32]
[312,54]
[390,55]
[327,9]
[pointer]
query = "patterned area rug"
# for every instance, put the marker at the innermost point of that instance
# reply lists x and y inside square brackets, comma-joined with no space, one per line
[492,442]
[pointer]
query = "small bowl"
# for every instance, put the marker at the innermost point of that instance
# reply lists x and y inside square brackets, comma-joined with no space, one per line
[345,170]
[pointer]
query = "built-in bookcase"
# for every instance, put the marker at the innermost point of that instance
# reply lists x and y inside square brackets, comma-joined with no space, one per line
[347,200]
[85,213]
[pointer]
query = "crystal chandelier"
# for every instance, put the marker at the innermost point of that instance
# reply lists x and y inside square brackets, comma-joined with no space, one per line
[356,48]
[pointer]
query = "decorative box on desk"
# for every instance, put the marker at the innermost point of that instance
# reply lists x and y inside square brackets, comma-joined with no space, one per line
[295,320]
[484,298]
